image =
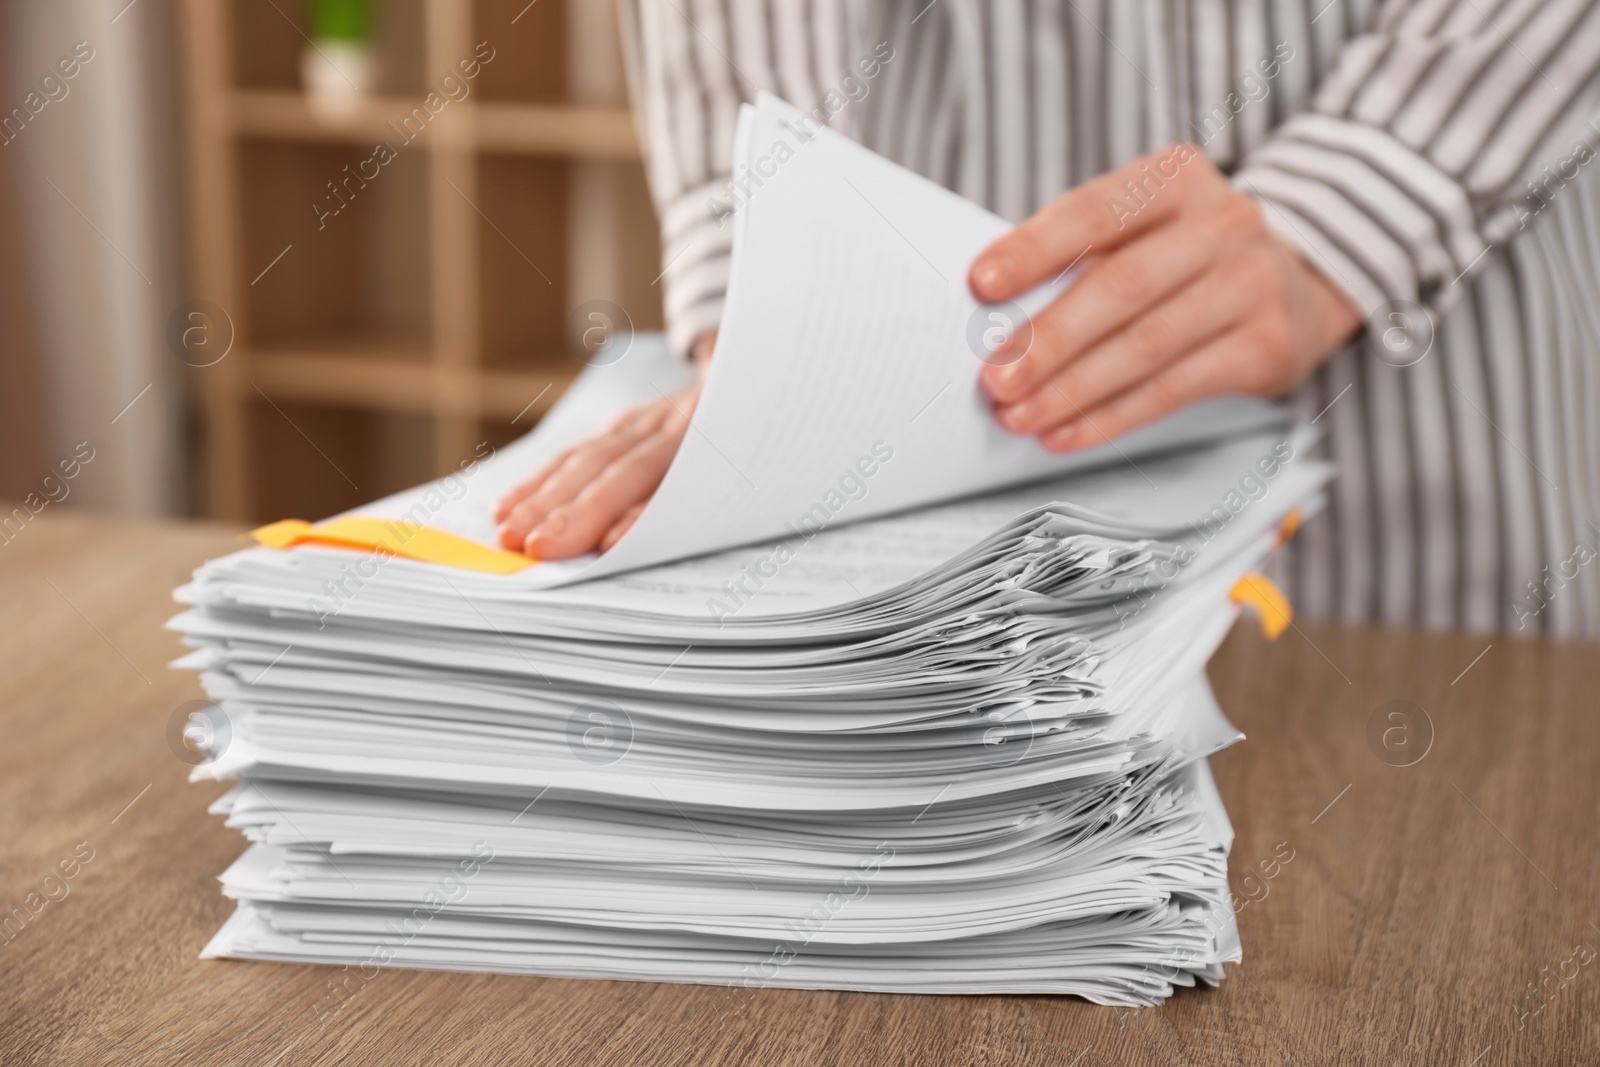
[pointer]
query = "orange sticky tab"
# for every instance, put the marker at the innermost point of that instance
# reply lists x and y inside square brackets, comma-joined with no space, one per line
[282,534]
[1291,523]
[1273,612]
[404,539]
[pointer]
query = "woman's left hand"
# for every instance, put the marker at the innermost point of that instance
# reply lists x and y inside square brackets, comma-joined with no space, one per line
[1185,294]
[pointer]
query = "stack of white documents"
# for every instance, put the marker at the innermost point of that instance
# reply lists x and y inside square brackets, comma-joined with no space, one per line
[873,696]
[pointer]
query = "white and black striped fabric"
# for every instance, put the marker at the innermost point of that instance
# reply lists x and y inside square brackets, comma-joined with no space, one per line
[1421,152]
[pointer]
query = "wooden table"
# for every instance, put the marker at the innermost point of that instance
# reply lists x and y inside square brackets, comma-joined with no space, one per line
[1443,912]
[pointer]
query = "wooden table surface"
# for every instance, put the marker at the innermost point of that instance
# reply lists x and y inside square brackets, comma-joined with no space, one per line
[1442,912]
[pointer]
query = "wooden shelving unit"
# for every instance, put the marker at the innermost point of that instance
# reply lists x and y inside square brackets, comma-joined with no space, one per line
[377,345]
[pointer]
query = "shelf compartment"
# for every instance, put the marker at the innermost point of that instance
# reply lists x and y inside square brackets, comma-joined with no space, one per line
[313,460]
[530,46]
[359,271]
[522,293]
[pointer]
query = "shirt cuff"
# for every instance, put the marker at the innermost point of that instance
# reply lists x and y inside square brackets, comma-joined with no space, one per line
[1381,221]
[696,250]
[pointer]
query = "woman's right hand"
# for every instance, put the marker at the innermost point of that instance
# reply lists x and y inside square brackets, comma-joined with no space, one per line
[588,496]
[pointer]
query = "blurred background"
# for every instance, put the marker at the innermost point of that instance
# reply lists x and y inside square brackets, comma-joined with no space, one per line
[275,258]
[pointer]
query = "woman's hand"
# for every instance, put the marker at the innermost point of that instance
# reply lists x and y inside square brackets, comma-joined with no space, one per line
[587,496]
[1185,294]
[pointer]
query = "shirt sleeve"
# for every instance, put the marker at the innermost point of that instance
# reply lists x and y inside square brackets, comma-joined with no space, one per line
[691,64]
[1432,138]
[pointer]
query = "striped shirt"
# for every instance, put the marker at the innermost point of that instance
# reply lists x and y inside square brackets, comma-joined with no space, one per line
[1430,156]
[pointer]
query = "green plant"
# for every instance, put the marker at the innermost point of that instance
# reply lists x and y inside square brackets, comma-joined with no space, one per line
[341,20]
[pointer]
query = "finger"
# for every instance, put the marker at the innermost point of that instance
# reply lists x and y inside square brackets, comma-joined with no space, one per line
[1197,313]
[582,465]
[1112,292]
[640,421]
[575,528]
[523,489]
[1100,214]
[622,526]
[679,408]
[634,423]
[1217,367]
[559,487]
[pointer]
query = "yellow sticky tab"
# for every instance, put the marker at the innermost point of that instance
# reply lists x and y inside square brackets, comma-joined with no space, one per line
[1291,523]
[1273,612]
[404,539]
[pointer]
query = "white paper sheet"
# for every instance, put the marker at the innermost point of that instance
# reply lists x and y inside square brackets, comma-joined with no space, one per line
[845,385]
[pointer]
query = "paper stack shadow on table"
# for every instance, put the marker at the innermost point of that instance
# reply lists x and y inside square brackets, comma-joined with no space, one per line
[958,747]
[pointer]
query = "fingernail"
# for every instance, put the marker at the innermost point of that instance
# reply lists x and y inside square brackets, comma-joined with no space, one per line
[553,526]
[991,274]
[1000,383]
[1063,438]
[1019,418]
[1011,375]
